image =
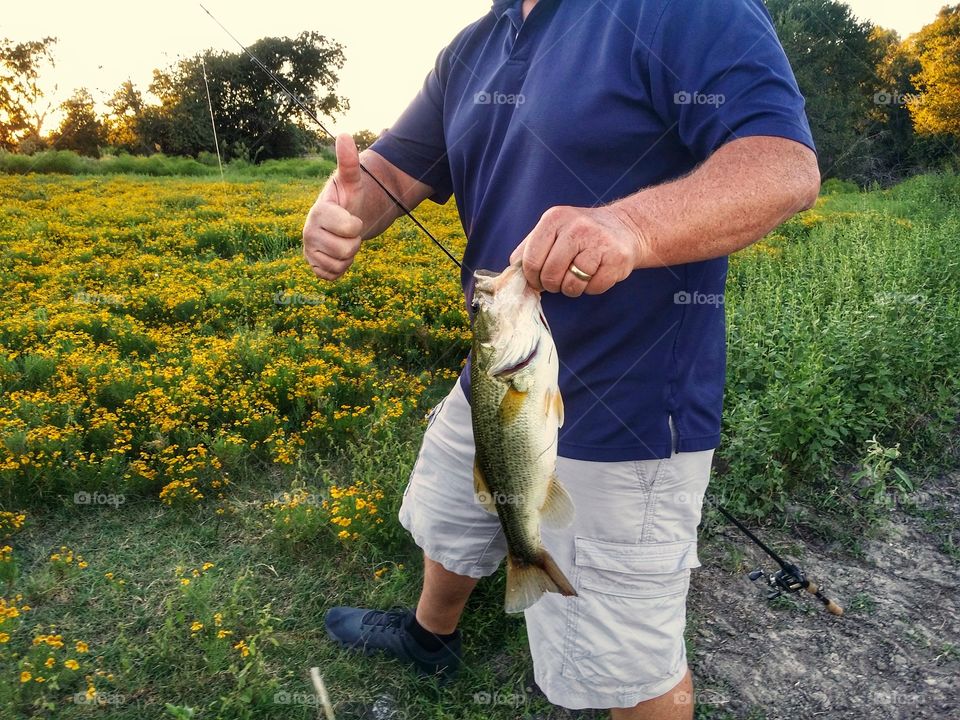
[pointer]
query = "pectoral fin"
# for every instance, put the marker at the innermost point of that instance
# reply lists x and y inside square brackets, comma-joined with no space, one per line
[481,491]
[554,403]
[557,510]
[511,404]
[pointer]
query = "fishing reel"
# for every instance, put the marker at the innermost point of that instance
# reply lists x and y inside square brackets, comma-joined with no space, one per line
[791,579]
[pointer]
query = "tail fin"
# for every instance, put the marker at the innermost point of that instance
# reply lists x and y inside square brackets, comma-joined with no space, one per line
[526,582]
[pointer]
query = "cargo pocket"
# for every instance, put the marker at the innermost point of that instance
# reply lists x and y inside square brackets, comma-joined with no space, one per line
[625,630]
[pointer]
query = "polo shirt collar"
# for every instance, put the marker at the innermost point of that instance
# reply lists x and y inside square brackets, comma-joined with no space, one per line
[501,6]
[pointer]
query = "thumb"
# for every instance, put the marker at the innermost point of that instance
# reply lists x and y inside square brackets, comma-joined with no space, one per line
[348,160]
[517,253]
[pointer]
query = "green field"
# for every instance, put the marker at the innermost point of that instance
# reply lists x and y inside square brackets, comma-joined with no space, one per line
[209,447]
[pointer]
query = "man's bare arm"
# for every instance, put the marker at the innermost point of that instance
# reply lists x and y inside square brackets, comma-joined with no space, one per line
[380,211]
[352,208]
[744,190]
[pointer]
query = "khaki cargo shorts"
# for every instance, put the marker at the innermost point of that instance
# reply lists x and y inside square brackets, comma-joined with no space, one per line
[628,553]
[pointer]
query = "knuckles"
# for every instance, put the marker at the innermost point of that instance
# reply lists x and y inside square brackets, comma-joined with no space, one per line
[583,227]
[555,215]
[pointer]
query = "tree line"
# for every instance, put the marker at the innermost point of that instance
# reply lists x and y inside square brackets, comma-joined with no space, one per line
[881,107]
[255,119]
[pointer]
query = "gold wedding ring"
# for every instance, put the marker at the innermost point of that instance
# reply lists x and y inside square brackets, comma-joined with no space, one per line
[579,274]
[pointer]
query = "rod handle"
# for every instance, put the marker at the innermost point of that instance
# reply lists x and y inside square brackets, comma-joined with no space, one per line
[831,606]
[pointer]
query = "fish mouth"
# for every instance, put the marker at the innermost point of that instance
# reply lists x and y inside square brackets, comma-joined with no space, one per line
[489,282]
[506,372]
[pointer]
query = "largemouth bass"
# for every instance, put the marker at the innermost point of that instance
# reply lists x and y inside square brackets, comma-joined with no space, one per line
[517,411]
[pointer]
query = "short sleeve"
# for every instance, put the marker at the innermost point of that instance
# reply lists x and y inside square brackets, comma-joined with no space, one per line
[718,71]
[416,143]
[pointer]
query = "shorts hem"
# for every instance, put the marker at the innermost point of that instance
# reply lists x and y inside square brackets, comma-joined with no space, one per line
[450,564]
[574,695]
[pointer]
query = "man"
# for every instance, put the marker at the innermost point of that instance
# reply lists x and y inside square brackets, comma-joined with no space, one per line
[631,145]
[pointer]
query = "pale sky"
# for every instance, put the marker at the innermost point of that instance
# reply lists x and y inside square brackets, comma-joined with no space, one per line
[390,45]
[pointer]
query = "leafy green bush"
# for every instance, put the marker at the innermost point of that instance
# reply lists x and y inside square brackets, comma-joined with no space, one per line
[850,333]
[835,186]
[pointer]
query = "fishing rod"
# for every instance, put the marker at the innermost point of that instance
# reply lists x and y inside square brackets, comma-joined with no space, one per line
[789,578]
[306,109]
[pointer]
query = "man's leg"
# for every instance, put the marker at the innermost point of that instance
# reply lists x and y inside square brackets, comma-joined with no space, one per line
[443,597]
[619,644]
[440,511]
[676,704]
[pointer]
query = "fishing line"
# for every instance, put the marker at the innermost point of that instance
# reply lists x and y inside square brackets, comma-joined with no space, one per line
[303,106]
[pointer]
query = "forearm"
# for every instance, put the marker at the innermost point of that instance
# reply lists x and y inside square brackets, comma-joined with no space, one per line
[379,211]
[747,188]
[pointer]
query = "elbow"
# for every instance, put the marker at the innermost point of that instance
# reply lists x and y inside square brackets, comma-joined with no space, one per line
[808,184]
[810,192]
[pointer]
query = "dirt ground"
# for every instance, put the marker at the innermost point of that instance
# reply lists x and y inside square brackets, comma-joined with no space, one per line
[894,654]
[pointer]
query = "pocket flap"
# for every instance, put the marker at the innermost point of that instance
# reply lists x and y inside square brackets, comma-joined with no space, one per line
[640,559]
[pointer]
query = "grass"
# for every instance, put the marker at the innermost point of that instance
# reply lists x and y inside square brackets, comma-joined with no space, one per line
[164,350]
[66,162]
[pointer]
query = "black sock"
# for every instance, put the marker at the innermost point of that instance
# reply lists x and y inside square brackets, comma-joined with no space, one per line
[431,642]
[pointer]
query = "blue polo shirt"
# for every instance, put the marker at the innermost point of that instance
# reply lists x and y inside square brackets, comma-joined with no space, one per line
[582,104]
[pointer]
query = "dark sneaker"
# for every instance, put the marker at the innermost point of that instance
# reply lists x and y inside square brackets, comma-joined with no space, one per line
[371,631]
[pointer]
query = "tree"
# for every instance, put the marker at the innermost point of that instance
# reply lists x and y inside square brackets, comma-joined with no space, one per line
[23,107]
[124,118]
[81,129]
[835,63]
[936,110]
[364,139]
[255,118]
[896,147]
